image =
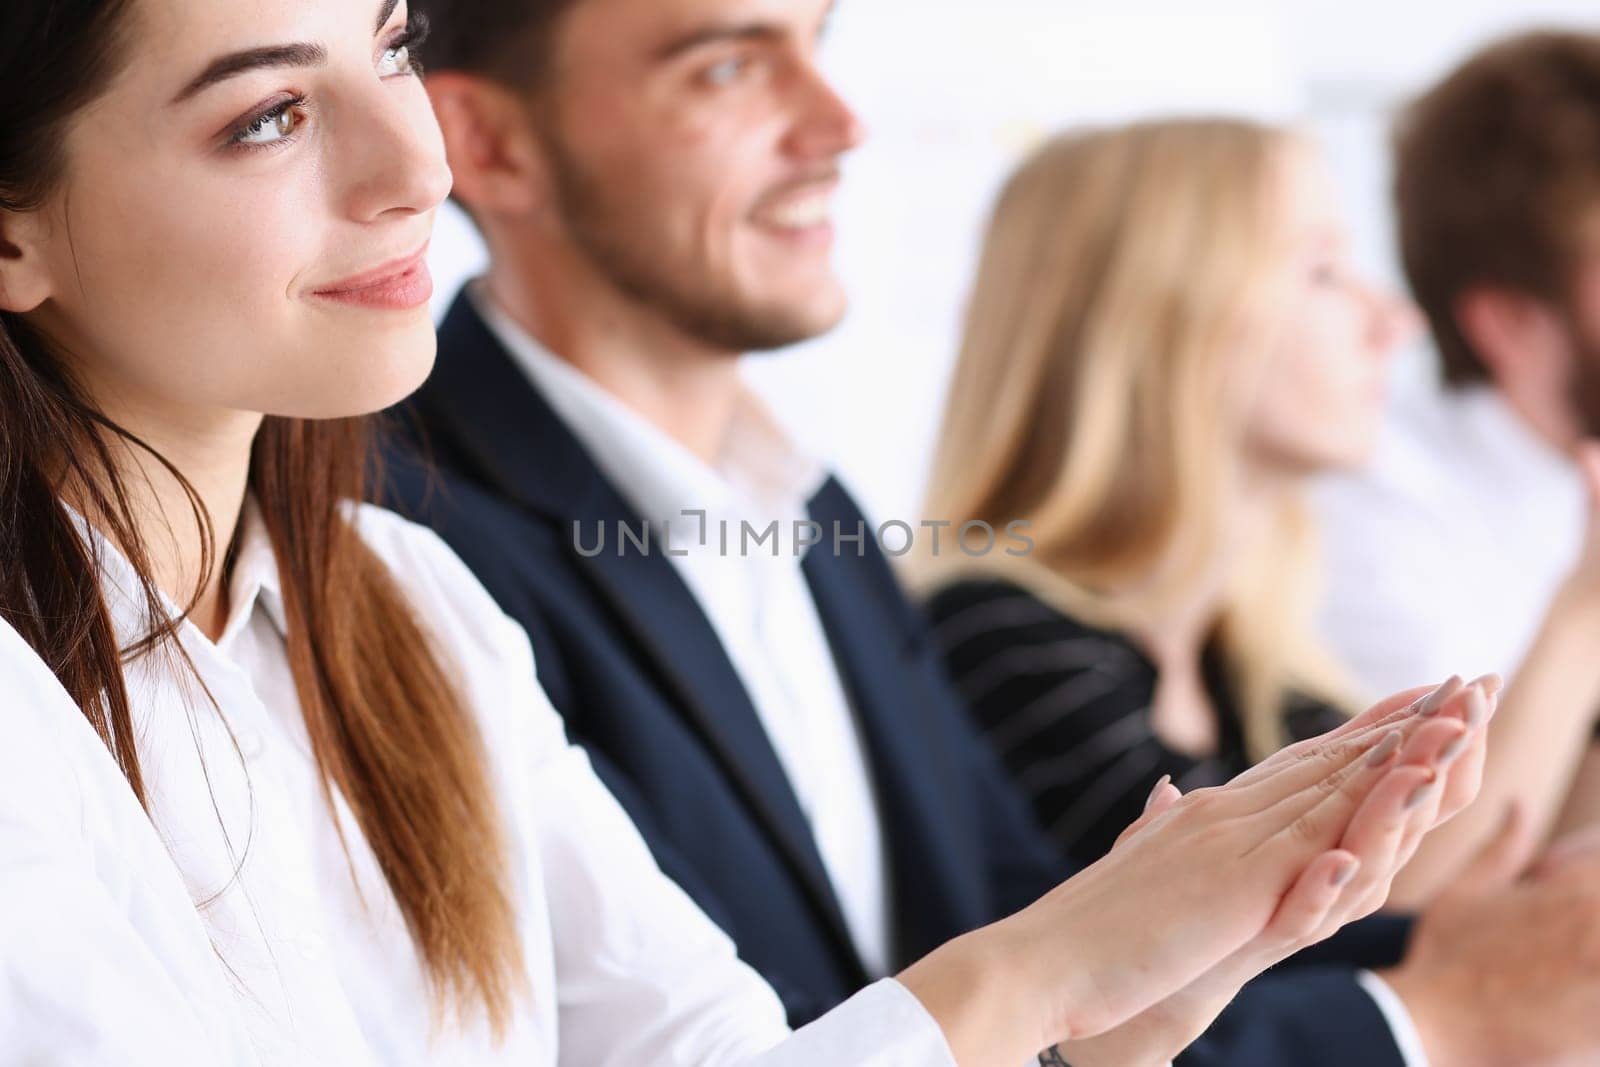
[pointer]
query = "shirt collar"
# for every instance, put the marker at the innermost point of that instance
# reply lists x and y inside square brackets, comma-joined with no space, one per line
[1506,436]
[759,474]
[254,581]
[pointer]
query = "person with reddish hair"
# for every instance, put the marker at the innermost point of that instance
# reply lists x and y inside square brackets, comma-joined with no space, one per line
[1495,471]
[278,783]
[654,180]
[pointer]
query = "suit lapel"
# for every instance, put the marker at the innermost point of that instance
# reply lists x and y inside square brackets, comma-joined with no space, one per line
[500,425]
[660,612]
[939,873]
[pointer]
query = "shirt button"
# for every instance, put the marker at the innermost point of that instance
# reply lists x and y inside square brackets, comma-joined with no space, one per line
[310,948]
[251,744]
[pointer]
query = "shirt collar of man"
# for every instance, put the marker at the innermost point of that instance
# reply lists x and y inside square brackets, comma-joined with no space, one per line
[760,474]
[1506,437]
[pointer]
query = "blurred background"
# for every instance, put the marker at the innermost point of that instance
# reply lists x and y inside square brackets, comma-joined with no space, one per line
[954,93]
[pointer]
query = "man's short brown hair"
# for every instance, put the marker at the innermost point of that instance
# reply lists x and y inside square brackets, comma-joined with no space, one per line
[509,41]
[1498,169]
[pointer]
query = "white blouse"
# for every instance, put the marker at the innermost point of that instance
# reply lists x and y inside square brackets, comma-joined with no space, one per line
[229,927]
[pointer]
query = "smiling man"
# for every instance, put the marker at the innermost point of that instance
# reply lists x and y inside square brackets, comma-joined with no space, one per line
[653,181]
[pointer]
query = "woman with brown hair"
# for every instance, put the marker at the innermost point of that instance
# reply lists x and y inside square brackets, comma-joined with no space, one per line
[1165,343]
[278,784]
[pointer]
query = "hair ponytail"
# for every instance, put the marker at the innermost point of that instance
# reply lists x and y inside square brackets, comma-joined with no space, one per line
[388,730]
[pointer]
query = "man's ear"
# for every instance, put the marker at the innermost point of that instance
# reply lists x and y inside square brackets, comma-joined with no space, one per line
[492,149]
[1513,332]
[24,281]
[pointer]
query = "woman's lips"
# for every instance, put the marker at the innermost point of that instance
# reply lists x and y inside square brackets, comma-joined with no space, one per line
[398,286]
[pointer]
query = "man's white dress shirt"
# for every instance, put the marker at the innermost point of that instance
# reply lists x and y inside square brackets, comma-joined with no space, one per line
[762,611]
[754,594]
[1443,556]
[228,927]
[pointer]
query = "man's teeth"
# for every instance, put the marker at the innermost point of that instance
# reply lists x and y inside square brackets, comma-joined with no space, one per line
[800,214]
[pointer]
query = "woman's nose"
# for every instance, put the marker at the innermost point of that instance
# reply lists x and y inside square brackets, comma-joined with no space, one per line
[396,158]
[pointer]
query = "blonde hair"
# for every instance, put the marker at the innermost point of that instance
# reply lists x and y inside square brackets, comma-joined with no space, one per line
[1125,289]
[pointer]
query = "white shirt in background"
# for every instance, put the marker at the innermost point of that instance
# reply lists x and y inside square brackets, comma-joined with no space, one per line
[758,603]
[1443,556]
[300,957]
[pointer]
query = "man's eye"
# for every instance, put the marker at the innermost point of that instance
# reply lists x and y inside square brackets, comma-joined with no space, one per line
[727,72]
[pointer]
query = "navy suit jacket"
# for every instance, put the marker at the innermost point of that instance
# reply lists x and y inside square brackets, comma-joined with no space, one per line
[631,662]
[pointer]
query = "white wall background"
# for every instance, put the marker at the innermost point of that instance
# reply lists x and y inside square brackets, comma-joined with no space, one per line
[955,91]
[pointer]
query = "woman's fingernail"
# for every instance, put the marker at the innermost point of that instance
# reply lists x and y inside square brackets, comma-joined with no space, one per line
[1165,779]
[1477,707]
[1437,699]
[1421,794]
[1344,872]
[1489,683]
[1380,755]
[1452,752]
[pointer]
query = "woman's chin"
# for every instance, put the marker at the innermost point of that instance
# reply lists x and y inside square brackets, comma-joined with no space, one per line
[355,396]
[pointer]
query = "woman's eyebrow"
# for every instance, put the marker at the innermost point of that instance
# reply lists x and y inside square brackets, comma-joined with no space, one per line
[237,63]
[282,55]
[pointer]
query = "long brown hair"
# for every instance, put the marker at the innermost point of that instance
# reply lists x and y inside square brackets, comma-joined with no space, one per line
[388,729]
[1126,285]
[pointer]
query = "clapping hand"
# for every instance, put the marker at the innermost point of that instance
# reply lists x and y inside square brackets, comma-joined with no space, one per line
[1357,803]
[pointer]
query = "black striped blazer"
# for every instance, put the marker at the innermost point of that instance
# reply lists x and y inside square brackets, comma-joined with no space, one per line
[1067,708]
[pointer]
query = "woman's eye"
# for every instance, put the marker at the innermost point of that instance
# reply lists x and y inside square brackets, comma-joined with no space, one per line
[395,60]
[276,125]
[400,57]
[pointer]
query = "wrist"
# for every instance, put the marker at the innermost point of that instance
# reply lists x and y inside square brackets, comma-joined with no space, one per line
[1062,976]
[1105,1051]
[976,988]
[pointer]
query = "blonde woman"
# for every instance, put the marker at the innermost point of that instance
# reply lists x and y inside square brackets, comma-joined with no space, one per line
[277,785]
[1164,343]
